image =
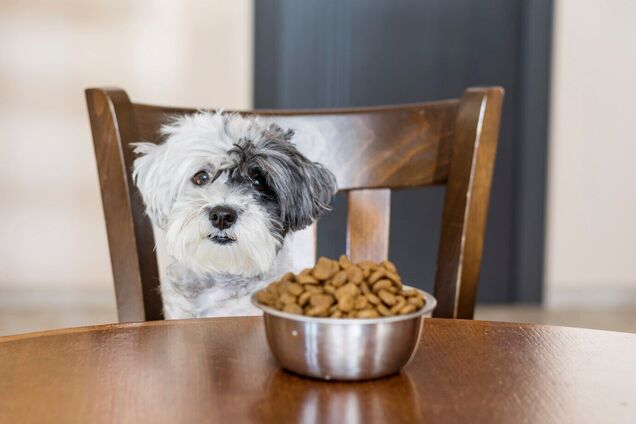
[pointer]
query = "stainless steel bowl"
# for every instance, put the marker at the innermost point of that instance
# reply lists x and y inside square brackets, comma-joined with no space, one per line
[343,349]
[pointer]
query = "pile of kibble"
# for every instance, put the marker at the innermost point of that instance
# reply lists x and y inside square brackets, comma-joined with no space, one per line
[341,289]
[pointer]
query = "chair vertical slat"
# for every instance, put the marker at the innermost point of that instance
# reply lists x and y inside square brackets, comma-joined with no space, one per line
[368,224]
[130,235]
[466,202]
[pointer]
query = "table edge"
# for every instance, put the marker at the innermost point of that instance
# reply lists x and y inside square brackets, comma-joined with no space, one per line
[191,321]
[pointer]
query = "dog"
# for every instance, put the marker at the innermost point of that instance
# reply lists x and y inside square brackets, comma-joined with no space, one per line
[228,191]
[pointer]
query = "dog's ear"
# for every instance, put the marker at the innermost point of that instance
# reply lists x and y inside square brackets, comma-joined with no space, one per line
[317,186]
[149,177]
[304,188]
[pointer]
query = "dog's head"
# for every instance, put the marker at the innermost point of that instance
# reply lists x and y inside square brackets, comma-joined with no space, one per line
[227,189]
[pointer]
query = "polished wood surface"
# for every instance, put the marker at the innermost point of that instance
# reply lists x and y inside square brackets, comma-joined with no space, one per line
[368,224]
[221,370]
[371,150]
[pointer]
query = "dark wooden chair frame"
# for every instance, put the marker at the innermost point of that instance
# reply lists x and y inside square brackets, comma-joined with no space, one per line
[371,151]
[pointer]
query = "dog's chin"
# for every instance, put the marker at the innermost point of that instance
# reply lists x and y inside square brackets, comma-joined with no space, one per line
[228,254]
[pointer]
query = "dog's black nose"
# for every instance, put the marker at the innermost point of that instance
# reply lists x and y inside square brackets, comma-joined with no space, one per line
[222,217]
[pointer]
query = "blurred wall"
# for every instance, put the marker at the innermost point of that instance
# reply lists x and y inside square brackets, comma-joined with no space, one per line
[591,239]
[177,52]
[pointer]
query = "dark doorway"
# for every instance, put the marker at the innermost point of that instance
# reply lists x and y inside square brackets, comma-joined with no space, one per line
[339,53]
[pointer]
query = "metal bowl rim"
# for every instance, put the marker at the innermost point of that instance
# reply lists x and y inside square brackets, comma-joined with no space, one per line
[430,305]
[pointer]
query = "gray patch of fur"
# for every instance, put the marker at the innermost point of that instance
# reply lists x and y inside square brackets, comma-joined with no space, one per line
[303,188]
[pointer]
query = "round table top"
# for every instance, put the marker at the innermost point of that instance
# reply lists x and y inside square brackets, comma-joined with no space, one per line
[221,370]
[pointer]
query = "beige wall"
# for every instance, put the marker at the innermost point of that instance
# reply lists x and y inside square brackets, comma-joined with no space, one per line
[591,239]
[179,52]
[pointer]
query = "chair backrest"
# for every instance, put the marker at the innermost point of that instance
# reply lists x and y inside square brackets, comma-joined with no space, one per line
[370,150]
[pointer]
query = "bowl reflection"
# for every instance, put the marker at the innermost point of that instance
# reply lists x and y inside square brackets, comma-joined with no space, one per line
[289,398]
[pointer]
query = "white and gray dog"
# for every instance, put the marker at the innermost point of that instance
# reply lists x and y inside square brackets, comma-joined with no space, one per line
[228,191]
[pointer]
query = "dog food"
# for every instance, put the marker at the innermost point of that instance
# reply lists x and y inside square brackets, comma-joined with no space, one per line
[341,289]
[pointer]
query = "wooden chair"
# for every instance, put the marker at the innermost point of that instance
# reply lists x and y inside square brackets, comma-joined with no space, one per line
[371,151]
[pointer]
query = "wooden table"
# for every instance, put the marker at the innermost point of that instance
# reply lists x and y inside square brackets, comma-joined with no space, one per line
[220,370]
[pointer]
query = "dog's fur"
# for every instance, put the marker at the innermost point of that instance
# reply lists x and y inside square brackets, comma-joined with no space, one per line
[248,165]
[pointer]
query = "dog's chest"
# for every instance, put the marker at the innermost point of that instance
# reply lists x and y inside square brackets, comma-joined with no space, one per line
[188,294]
[226,301]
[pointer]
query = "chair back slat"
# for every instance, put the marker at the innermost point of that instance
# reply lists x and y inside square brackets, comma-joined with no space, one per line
[391,147]
[368,221]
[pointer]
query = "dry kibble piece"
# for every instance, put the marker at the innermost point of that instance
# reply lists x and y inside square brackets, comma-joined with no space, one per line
[398,305]
[344,262]
[294,289]
[383,284]
[409,292]
[354,274]
[345,303]
[397,281]
[283,288]
[407,309]
[329,289]
[321,300]
[287,298]
[288,277]
[322,273]
[324,269]
[339,278]
[367,313]
[307,279]
[316,311]
[384,311]
[366,272]
[293,308]
[336,314]
[280,288]
[348,289]
[388,265]
[376,275]
[415,300]
[361,302]
[368,264]
[335,265]
[266,297]
[306,271]
[392,276]
[387,297]
[304,298]
[313,289]
[373,299]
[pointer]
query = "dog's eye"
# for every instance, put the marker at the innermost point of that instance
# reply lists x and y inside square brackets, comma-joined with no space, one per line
[201,178]
[259,182]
